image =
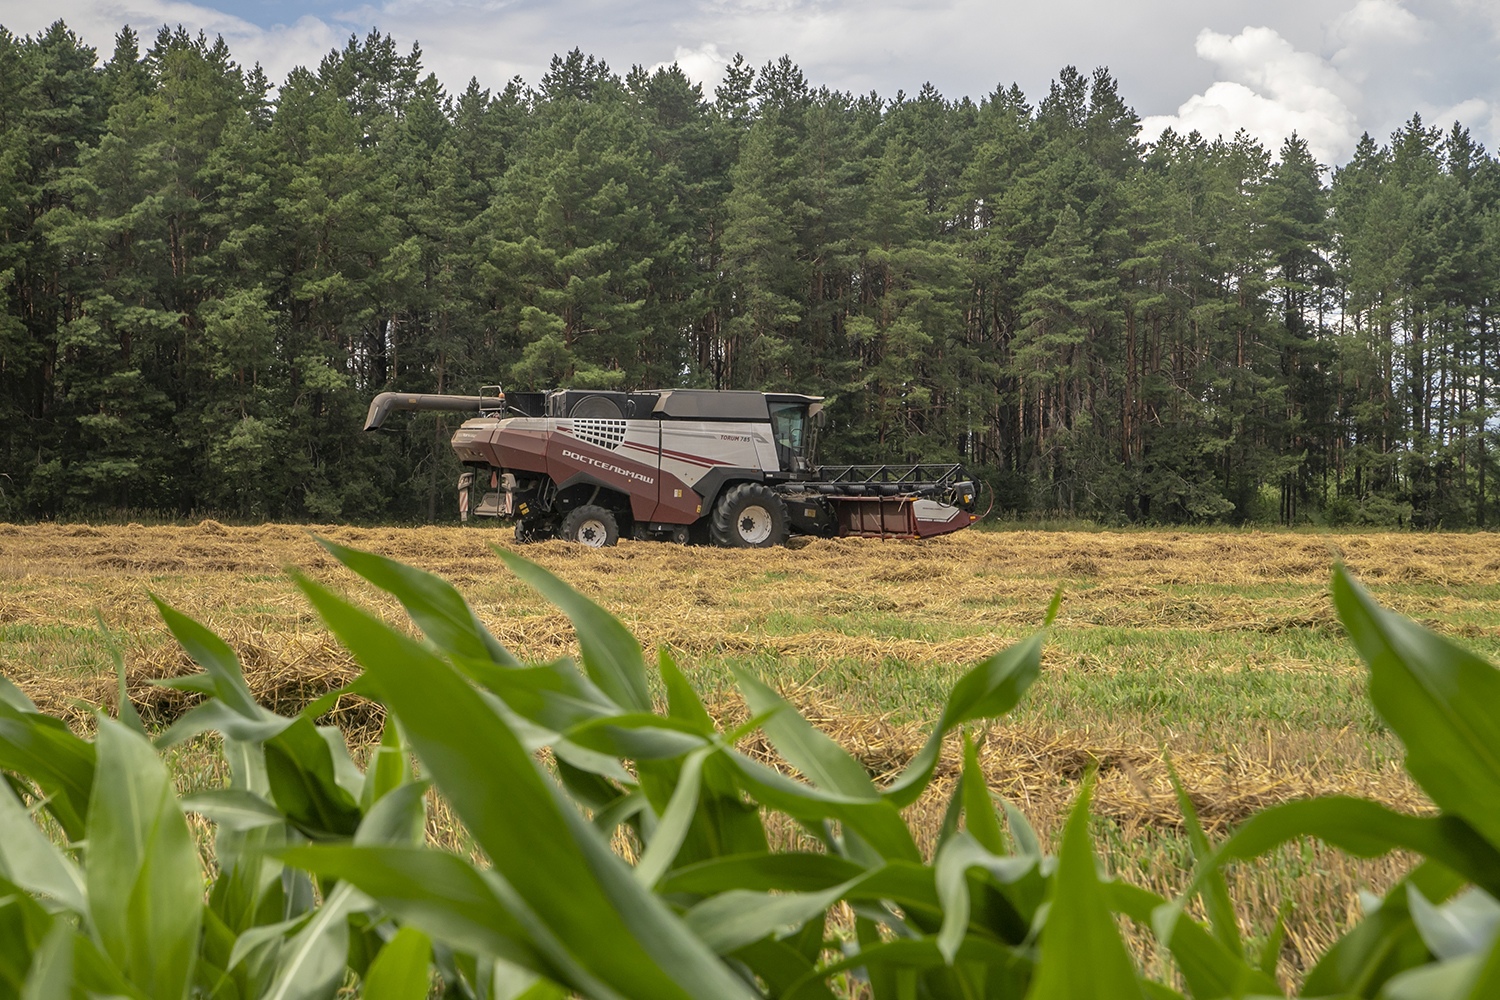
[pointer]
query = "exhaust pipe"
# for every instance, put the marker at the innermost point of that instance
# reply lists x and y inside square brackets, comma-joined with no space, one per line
[383,404]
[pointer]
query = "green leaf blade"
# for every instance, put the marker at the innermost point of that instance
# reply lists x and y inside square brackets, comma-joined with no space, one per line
[554,860]
[1083,955]
[402,970]
[611,655]
[1440,699]
[144,884]
[439,610]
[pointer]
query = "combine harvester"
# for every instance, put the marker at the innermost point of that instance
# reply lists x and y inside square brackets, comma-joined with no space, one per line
[692,465]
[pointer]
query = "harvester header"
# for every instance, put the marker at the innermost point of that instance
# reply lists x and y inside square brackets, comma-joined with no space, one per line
[693,465]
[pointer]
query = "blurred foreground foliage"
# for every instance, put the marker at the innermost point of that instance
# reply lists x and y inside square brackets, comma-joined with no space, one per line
[625,849]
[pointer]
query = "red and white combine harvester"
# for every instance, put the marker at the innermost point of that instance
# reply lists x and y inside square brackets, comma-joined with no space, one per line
[692,465]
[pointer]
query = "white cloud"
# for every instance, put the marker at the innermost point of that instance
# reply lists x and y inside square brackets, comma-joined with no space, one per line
[1374,21]
[1271,91]
[1262,59]
[1382,63]
[703,65]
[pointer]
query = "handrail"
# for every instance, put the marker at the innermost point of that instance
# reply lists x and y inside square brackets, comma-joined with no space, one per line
[914,475]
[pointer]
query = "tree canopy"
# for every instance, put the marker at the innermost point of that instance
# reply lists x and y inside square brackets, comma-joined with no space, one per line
[204,279]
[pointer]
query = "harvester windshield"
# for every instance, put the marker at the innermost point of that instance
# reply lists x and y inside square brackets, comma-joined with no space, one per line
[789,427]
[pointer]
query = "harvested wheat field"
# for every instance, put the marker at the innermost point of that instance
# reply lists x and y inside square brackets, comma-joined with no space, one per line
[1221,648]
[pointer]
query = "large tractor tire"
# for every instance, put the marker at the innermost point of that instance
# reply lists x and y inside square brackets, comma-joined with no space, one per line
[590,525]
[749,516]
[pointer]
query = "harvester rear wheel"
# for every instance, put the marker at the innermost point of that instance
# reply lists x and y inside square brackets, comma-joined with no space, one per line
[590,525]
[749,516]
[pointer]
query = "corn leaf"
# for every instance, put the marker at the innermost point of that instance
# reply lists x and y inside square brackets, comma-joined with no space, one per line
[1463,925]
[556,696]
[125,711]
[216,658]
[979,808]
[672,829]
[311,966]
[899,961]
[1442,700]
[438,609]
[399,817]
[790,872]
[1475,976]
[879,823]
[215,716]
[433,890]
[388,769]
[1021,831]
[611,656]
[554,860]
[14,696]
[402,970]
[46,751]
[145,888]
[1367,829]
[304,785]
[987,691]
[234,809]
[734,919]
[1270,951]
[51,974]
[960,856]
[1487,982]
[1383,944]
[637,735]
[683,703]
[780,966]
[1208,966]
[1215,891]
[1082,954]
[33,862]
[808,749]
[24,926]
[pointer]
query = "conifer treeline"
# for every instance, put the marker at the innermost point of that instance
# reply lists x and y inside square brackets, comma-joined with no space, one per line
[204,284]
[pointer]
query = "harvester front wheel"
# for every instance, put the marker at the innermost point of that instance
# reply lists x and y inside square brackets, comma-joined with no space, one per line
[749,516]
[590,525]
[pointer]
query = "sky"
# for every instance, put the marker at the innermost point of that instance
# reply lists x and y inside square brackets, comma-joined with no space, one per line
[1326,69]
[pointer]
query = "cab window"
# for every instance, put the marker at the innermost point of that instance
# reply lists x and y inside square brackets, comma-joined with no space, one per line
[788,427]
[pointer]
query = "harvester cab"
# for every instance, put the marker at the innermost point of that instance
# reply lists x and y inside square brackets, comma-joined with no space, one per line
[733,468]
[794,426]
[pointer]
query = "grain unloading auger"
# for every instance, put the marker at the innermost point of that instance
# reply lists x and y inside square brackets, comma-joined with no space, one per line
[693,465]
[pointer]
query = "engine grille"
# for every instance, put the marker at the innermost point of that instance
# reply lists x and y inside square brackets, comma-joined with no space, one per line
[600,433]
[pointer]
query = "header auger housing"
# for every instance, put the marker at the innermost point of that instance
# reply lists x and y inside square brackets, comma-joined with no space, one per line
[694,465]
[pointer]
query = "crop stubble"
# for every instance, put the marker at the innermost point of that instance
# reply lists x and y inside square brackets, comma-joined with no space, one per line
[1220,648]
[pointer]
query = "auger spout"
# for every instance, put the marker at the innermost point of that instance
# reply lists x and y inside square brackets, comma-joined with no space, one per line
[383,404]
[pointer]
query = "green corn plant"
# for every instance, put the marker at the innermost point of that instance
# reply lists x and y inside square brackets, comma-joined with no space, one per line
[114,902]
[324,878]
[989,916]
[1436,934]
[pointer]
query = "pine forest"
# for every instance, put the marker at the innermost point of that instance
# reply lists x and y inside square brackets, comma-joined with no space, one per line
[205,275]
